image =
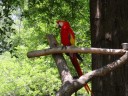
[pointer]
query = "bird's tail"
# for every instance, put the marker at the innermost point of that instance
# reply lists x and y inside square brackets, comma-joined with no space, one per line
[76,64]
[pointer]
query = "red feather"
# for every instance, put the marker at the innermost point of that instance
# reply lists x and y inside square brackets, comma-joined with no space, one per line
[76,65]
[65,33]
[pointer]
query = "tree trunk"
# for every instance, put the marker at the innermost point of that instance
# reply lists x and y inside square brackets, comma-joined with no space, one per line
[109,28]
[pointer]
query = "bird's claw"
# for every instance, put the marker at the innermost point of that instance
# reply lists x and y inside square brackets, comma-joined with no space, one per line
[64,47]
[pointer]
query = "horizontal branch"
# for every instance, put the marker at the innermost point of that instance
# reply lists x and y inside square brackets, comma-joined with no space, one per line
[71,49]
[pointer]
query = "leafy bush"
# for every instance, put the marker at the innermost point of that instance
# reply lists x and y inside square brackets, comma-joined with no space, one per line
[21,78]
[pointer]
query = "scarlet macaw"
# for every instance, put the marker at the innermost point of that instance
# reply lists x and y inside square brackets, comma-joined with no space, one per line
[68,39]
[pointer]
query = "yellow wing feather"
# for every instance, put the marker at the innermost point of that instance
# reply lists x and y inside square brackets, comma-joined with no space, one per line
[72,40]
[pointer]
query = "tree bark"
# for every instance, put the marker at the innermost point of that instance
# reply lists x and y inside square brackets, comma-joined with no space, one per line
[49,51]
[109,28]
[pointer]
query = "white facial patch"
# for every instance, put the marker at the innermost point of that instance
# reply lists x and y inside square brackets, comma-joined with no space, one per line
[61,24]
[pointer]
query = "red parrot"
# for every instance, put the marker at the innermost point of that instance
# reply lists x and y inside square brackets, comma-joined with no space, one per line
[68,39]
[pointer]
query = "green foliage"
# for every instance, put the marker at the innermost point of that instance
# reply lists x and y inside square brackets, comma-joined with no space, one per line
[6,22]
[21,78]
[33,20]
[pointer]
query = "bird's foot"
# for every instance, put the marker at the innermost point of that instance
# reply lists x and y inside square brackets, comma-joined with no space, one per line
[64,47]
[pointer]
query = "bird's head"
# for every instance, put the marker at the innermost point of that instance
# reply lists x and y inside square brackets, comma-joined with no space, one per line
[61,23]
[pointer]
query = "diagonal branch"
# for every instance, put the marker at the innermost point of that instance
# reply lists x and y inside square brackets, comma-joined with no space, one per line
[79,83]
[104,70]
[60,61]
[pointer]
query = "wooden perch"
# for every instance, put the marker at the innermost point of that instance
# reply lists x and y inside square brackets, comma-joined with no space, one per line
[70,85]
[54,50]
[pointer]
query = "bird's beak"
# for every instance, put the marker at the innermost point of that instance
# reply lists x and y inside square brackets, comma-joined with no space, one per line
[58,26]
